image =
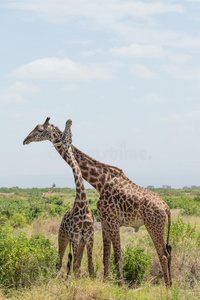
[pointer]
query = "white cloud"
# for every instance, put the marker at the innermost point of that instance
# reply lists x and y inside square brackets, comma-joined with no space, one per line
[174,117]
[112,16]
[187,119]
[88,53]
[188,73]
[70,87]
[153,98]
[9,97]
[135,129]
[79,42]
[97,10]
[148,51]
[61,70]
[188,42]
[179,58]
[24,88]
[186,129]
[14,93]
[142,71]
[194,115]
[137,50]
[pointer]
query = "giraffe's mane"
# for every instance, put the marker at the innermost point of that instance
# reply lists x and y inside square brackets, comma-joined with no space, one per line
[96,162]
[58,129]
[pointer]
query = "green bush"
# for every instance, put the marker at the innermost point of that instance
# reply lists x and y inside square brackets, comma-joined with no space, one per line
[181,231]
[20,211]
[95,214]
[188,205]
[18,220]
[197,198]
[190,209]
[3,220]
[134,264]
[24,260]
[172,201]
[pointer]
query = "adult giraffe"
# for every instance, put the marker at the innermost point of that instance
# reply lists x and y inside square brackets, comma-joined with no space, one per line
[121,202]
[77,226]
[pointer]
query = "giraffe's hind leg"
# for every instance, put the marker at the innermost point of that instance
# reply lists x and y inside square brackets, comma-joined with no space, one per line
[79,257]
[75,247]
[63,240]
[115,238]
[158,236]
[106,250]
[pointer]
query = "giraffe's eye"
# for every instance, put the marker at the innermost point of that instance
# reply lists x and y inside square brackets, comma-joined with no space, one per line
[40,130]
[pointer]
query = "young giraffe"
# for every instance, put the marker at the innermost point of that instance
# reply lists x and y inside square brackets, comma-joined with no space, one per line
[49,192]
[121,202]
[77,226]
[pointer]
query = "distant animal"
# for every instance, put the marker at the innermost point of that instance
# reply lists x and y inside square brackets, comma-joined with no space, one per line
[47,194]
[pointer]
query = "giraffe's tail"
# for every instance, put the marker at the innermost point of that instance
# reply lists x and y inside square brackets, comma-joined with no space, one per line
[168,246]
[169,225]
[69,259]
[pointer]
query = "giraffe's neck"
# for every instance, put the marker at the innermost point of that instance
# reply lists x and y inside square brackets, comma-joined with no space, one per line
[93,171]
[80,188]
[51,190]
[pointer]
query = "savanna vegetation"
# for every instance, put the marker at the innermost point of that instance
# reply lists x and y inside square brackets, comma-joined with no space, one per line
[28,250]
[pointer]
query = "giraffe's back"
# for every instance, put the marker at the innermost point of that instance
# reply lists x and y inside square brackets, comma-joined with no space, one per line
[128,203]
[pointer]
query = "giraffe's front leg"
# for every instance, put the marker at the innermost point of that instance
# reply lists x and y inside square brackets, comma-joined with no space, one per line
[89,255]
[75,246]
[106,250]
[63,240]
[157,233]
[106,238]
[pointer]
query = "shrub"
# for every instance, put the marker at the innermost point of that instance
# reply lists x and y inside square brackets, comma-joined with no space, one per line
[173,202]
[3,220]
[19,210]
[18,220]
[24,260]
[197,198]
[190,209]
[134,264]
[181,231]
[95,214]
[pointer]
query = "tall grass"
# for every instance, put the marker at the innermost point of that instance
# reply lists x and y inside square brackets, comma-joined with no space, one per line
[184,238]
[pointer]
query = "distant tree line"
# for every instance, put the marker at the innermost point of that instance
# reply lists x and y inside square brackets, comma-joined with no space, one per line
[191,187]
[168,187]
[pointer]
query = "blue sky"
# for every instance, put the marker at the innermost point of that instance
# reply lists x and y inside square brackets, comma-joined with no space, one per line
[126,72]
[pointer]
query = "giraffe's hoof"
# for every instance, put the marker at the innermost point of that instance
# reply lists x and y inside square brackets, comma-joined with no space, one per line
[136,229]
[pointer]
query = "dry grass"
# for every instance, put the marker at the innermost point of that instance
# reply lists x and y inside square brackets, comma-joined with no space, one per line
[47,227]
[2,297]
[185,270]
[87,289]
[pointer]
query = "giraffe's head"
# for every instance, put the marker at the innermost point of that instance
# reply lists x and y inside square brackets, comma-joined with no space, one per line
[41,132]
[67,135]
[69,123]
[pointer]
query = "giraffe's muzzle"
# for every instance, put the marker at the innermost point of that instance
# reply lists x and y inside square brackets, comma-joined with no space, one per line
[26,141]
